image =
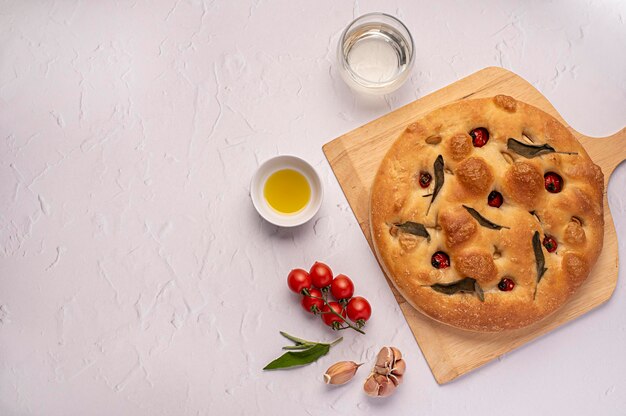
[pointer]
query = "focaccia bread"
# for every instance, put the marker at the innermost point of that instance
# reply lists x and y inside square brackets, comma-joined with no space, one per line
[487,214]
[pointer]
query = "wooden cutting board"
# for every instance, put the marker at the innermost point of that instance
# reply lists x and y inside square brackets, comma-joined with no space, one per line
[354,158]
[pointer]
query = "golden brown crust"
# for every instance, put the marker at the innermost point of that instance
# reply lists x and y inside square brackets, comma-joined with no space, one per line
[524,183]
[573,217]
[475,175]
[505,102]
[476,263]
[460,146]
[458,227]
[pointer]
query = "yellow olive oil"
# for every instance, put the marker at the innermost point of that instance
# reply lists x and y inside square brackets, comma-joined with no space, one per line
[287,191]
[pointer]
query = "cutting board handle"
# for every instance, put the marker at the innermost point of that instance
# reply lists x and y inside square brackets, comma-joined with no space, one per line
[607,152]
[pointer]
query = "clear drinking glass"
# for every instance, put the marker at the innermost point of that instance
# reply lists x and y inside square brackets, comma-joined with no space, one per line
[375,53]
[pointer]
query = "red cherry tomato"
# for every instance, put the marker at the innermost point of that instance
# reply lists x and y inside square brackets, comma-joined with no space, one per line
[425,179]
[495,199]
[330,318]
[550,244]
[321,275]
[342,287]
[506,284]
[440,260]
[553,182]
[298,280]
[310,304]
[480,136]
[359,310]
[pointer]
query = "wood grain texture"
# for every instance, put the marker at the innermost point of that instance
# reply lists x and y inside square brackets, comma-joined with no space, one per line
[354,158]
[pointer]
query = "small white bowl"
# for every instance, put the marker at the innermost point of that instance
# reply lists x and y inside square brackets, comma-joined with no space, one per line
[262,206]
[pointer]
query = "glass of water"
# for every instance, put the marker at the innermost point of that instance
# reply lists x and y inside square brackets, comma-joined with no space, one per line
[375,53]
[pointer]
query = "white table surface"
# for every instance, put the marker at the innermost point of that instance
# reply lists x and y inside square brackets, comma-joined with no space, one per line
[137,279]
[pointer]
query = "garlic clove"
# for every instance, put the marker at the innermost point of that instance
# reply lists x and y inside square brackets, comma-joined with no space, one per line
[396,353]
[387,387]
[384,358]
[396,380]
[377,385]
[382,370]
[370,386]
[341,372]
[433,139]
[399,367]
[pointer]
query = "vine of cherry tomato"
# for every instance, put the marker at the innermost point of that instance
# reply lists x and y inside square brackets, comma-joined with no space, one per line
[318,287]
[332,319]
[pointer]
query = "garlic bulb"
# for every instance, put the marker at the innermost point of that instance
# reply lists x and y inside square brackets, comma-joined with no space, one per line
[387,373]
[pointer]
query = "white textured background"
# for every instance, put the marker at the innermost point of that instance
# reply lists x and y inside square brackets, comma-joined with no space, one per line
[135,276]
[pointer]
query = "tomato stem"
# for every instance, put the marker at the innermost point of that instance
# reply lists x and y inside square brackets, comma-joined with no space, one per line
[295,339]
[298,347]
[331,310]
[338,340]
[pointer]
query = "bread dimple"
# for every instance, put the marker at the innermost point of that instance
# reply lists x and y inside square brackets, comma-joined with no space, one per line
[574,234]
[475,175]
[524,183]
[572,217]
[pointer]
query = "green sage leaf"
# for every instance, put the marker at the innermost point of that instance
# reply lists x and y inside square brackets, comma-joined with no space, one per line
[299,358]
[439,178]
[482,220]
[539,258]
[295,339]
[530,151]
[414,228]
[468,285]
[479,292]
[303,353]
[534,214]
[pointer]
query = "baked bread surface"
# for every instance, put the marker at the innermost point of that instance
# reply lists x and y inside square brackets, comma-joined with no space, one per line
[573,217]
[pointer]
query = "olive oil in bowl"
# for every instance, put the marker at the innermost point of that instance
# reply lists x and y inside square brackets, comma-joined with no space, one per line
[287,191]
